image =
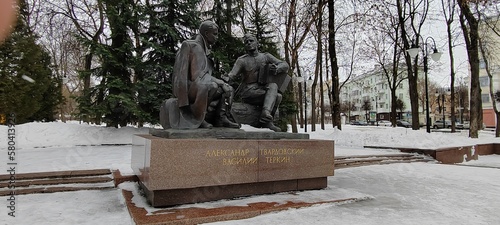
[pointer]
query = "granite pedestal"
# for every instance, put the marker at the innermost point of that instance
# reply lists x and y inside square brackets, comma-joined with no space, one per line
[188,166]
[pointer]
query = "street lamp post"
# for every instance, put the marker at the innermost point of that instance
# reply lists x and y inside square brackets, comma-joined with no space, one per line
[413,52]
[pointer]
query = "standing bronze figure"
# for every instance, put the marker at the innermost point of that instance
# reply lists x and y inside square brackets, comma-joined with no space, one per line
[263,78]
[202,101]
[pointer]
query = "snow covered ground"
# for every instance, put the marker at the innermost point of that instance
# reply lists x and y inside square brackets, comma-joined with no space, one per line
[414,193]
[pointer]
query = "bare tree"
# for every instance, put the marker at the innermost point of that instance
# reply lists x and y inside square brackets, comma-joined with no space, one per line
[300,17]
[58,36]
[366,106]
[346,107]
[318,72]
[411,18]
[400,105]
[339,19]
[87,17]
[384,49]
[470,28]
[463,98]
[432,88]
[449,7]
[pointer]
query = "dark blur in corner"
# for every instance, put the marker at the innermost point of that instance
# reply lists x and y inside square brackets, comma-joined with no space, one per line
[7,17]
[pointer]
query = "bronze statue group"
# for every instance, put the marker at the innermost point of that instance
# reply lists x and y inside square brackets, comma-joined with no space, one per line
[204,101]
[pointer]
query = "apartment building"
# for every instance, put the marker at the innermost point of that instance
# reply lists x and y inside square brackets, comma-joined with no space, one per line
[372,89]
[491,43]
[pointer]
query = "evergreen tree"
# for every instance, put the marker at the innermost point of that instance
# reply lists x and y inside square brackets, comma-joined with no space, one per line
[169,23]
[135,68]
[113,99]
[21,59]
[228,47]
[261,26]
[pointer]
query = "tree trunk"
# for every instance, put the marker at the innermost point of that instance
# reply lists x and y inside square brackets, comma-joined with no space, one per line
[319,64]
[471,35]
[322,96]
[450,9]
[497,130]
[412,71]
[335,68]
[301,98]
[291,16]
[229,13]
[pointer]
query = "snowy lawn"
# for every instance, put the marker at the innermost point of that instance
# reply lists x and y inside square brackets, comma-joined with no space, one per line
[415,193]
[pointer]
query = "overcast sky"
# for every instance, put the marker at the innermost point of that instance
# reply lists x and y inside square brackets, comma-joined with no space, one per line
[435,27]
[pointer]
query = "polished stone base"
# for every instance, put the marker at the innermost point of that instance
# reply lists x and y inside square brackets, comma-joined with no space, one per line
[172,197]
[178,171]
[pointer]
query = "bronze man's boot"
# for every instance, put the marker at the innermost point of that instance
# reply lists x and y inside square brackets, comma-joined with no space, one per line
[272,127]
[269,103]
[266,116]
[222,119]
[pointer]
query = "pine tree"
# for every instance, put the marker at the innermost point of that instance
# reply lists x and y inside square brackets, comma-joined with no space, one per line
[22,57]
[169,23]
[261,27]
[228,47]
[113,99]
[135,68]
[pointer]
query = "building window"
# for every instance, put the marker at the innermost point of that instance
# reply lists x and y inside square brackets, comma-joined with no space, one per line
[484,81]
[485,98]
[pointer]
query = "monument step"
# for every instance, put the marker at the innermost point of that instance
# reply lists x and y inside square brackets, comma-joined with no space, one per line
[365,160]
[371,156]
[41,190]
[55,181]
[56,174]
[58,181]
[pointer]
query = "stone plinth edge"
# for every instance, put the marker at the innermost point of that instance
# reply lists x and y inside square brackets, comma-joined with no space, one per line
[224,133]
[451,155]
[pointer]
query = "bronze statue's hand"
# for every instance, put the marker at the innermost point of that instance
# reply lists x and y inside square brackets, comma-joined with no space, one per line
[225,78]
[281,69]
[227,88]
[274,68]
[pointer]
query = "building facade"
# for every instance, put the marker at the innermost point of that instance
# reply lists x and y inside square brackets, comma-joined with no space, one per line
[491,44]
[370,97]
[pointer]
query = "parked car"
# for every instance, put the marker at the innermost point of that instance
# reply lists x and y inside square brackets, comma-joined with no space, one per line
[359,123]
[384,123]
[458,125]
[402,123]
[438,124]
[466,124]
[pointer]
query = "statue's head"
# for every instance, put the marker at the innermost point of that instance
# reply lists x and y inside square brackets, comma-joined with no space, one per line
[210,31]
[251,43]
